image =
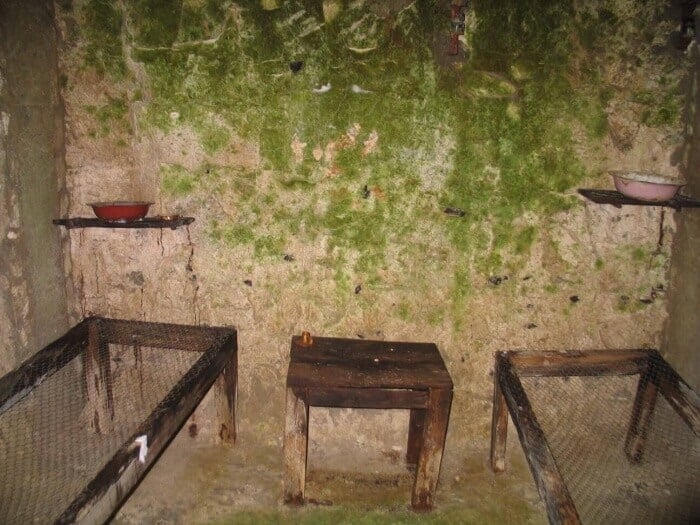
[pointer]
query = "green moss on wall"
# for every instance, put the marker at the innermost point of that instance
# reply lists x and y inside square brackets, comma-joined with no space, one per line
[232,234]
[111,117]
[661,107]
[508,165]
[177,181]
[103,25]
[157,21]
[501,166]
[638,254]
[372,138]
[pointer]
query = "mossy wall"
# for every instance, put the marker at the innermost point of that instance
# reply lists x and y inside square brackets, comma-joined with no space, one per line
[350,178]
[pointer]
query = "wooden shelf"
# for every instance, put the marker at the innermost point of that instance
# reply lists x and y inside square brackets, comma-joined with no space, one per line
[617,199]
[146,222]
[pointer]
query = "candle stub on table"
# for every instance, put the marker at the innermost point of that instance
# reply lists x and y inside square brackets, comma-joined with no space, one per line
[306,339]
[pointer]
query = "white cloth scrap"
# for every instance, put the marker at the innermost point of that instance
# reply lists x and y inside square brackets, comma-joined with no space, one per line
[323,89]
[359,90]
[142,442]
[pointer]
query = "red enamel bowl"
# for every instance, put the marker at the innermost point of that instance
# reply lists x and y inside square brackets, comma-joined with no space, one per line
[120,210]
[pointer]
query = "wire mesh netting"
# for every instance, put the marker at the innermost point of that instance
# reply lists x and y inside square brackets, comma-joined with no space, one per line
[86,403]
[586,421]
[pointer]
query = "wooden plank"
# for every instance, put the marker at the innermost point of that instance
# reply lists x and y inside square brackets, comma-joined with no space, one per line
[550,484]
[331,362]
[642,412]
[162,335]
[346,348]
[227,387]
[677,392]
[18,383]
[97,374]
[146,222]
[296,436]
[367,398]
[499,421]
[617,199]
[378,375]
[324,350]
[113,484]
[579,363]
[416,426]
[430,456]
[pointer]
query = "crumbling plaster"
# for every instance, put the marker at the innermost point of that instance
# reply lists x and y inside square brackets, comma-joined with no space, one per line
[34,303]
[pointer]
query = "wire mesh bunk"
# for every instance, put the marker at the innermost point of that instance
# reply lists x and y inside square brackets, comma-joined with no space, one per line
[82,421]
[610,436]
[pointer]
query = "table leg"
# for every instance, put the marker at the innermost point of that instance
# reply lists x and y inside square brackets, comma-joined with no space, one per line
[499,426]
[416,424]
[428,468]
[296,436]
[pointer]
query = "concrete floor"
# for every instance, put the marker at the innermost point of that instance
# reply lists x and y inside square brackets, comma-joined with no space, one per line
[197,483]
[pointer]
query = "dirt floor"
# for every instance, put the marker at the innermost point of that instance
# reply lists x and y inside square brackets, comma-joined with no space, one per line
[352,481]
[196,483]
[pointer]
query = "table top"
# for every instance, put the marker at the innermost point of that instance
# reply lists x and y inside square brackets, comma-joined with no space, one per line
[359,363]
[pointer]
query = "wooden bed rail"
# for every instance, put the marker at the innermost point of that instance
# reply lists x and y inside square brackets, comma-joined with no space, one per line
[509,393]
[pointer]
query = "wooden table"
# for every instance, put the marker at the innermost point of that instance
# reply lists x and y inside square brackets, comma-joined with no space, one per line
[83,420]
[350,373]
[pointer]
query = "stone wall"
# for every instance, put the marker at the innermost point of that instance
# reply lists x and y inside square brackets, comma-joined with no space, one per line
[33,296]
[349,178]
[682,331]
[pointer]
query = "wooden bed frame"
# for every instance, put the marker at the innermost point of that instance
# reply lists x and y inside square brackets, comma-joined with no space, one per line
[89,340]
[655,375]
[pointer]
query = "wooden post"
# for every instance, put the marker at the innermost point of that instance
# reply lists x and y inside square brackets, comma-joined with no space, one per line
[642,412]
[98,381]
[677,392]
[499,421]
[296,436]
[226,386]
[416,424]
[428,468]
